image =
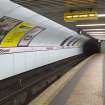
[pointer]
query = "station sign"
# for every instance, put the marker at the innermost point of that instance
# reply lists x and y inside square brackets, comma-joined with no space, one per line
[80,15]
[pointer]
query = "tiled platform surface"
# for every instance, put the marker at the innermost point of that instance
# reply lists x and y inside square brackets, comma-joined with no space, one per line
[83,85]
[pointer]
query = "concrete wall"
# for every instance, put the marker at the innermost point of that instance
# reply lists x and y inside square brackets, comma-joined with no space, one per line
[102,47]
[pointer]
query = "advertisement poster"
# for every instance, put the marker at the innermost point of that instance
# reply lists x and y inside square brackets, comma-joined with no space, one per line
[30,35]
[6,24]
[16,34]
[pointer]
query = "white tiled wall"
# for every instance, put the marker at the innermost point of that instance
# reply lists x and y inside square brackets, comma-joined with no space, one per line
[12,64]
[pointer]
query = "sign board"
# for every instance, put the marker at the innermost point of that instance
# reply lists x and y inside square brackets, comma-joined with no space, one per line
[82,15]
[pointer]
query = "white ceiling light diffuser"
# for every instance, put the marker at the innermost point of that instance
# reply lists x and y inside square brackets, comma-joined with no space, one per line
[89,25]
[95,32]
[101,15]
[93,29]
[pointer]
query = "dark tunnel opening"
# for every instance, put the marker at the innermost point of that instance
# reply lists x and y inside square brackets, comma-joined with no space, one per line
[91,46]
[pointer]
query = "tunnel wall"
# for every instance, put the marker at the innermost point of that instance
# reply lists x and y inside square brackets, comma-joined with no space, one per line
[102,44]
[52,35]
[25,61]
[45,48]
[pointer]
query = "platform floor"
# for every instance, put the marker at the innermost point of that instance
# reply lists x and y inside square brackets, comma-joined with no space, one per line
[83,85]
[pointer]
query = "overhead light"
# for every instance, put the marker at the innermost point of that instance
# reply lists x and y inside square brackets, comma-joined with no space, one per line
[98,35]
[89,25]
[93,29]
[95,32]
[101,15]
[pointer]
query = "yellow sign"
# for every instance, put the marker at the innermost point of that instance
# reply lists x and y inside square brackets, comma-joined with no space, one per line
[76,16]
[15,35]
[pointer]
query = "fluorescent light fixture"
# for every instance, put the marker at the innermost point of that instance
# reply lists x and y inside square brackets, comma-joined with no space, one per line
[93,29]
[98,35]
[89,25]
[95,32]
[101,15]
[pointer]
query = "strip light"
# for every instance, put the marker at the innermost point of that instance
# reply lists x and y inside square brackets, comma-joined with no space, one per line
[93,29]
[101,15]
[89,25]
[98,35]
[98,15]
[95,32]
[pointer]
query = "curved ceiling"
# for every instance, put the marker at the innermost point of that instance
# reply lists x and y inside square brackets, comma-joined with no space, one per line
[23,27]
[54,9]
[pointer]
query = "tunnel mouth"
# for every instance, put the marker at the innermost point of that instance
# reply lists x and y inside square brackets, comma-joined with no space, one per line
[91,46]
